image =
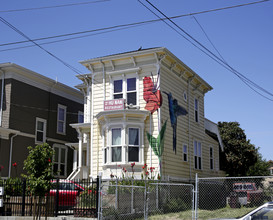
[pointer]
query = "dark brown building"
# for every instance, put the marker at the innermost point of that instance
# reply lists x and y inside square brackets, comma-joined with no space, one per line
[35,109]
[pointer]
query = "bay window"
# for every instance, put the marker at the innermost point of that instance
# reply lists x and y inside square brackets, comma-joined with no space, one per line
[133,146]
[123,144]
[116,145]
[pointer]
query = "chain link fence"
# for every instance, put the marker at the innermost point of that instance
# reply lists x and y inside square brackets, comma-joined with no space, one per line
[231,197]
[145,200]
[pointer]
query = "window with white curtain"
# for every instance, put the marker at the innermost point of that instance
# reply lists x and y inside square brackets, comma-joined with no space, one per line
[123,145]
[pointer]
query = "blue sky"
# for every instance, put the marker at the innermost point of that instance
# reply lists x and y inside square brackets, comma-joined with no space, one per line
[242,35]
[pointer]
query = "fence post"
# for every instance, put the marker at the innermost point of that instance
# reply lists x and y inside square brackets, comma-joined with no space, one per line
[116,204]
[196,196]
[98,197]
[132,197]
[24,197]
[57,198]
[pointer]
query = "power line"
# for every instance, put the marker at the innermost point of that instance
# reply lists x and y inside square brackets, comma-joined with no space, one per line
[242,78]
[71,38]
[205,50]
[51,54]
[55,6]
[136,23]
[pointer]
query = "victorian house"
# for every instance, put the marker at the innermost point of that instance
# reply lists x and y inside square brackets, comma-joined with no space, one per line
[144,115]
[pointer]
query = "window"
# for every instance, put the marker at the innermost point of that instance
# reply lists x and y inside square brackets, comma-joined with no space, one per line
[122,145]
[80,117]
[133,145]
[118,91]
[59,160]
[126,88]
[40,132]
[197,155]
[131,91]
[61,119]
[185,153]
[211,158]
[196,110]
[116,145]
[185,96]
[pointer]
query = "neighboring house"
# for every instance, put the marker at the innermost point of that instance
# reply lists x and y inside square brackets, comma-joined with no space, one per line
[131,99]
[34,110]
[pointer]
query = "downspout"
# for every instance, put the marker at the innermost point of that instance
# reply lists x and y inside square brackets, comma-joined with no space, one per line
[2,95]
[91,123]
[189,126]
[10,153]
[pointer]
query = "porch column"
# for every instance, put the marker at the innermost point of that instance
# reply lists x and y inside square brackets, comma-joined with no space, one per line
[75,162]
[80,150]
[87,150]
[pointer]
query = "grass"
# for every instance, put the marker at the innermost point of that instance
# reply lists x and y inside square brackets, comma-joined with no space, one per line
[204,214]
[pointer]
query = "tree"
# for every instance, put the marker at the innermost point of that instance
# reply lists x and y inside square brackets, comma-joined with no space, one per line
[239,153]
[39,169]
[260,168]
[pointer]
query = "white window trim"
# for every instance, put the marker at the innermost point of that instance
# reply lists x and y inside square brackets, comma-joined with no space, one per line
[196,110]
[59,146]
[187,153]
[127,144]
[124,78]
[198,165]
[64,122]
[211,157]
[124,143]
[44,130]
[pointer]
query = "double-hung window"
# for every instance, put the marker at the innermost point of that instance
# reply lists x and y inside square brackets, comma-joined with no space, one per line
[197,155]
[61,119]
[185,153]
[122,145]
[211,160]
[133,145]
[196,110]
[116,148]
[126,88]
[59,160]
[40,131]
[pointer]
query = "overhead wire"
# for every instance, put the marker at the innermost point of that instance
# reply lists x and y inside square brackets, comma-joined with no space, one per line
[243,79]
[205,50]
[136,23]
[55,6]
[42,48]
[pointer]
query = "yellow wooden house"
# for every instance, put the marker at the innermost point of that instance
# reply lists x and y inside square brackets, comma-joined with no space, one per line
[144,116]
